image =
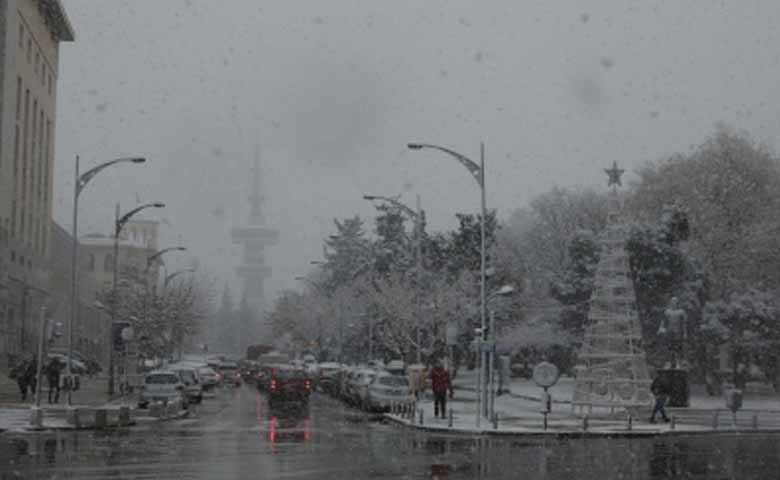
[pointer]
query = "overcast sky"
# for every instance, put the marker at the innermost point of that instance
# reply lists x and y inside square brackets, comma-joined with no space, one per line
[330,91]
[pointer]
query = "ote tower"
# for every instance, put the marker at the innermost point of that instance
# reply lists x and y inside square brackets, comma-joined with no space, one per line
[254,237]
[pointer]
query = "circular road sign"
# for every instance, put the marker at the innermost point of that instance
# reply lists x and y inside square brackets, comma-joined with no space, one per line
[546,374]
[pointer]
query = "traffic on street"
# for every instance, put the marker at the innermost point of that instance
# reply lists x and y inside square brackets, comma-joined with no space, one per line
[406,239]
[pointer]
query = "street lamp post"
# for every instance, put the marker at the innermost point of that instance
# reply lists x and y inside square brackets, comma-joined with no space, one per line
[81,181]
[478,171]
[419,226]
[119,224]
[149,261]
[503,291]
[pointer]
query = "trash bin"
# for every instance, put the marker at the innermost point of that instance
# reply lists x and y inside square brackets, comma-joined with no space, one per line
[677,380]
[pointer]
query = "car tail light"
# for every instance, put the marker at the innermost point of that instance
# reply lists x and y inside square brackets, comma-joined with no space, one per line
[308,384]
[273,385]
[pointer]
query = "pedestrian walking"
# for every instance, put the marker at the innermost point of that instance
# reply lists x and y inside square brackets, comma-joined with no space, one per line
[18,373]
[660,389]
[53,371]
[32,375]
[440,384]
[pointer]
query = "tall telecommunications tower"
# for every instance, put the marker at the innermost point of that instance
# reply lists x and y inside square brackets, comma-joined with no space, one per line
[254,237]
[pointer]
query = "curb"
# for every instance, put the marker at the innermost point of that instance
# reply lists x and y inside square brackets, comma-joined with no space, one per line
[571,433]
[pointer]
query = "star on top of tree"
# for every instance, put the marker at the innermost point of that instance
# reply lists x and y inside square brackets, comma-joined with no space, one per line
[614,175]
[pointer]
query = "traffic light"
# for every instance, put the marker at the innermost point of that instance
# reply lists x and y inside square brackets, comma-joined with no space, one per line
[116,335]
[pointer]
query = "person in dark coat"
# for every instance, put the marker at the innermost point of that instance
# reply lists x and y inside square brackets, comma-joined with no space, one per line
[440,384]
[19,373]
[660,390]
[32,375]
[53,376]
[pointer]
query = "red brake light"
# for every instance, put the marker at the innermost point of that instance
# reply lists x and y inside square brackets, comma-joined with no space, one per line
[308,384]
[273,384]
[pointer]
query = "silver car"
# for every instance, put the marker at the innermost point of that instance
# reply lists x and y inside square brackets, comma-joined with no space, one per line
[162,386]
[387,389]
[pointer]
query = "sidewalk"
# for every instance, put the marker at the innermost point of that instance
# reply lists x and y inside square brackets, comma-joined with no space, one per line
[757,396]
[519,413]
[15,414]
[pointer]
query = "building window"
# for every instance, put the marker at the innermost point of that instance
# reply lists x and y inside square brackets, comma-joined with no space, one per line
[33,157]
[18,97]
[21,36]
[29,50]
[13,221]
[41,161]
[25,120]
[43,74]
[37,61]
[91,262]
[16,156]
[51,82]
[108,263]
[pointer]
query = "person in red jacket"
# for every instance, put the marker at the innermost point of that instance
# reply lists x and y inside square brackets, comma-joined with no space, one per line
[440,384]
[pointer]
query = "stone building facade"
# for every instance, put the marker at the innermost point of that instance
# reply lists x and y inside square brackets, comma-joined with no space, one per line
[30,34]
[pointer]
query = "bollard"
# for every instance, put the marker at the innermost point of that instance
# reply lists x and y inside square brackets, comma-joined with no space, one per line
[585,423]
[545,420]
[101,418]
[755,421]
[421,416]
[73,417]
[495,421]
[630,423]
[715,420]
[36,417]
[449,419]
[124,416]
[673,423]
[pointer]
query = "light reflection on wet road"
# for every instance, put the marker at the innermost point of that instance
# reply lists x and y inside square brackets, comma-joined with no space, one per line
[237,436]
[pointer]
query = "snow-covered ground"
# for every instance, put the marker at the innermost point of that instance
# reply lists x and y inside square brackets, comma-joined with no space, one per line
[520,412]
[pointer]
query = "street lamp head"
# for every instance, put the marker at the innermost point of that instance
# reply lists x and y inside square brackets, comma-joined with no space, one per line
[370,197]
[136,159]
[181,249]
[158,205]
[506,290]
[414,146]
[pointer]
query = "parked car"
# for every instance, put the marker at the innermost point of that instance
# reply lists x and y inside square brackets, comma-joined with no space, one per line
[208,377]
[229,374]
[193,390]
[91,365]
[288,384]
[357,386]
[76,366]
[385,390]
[162,386]
[329,378]
[311,365]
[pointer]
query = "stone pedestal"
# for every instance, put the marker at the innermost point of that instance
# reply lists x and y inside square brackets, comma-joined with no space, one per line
[36,417]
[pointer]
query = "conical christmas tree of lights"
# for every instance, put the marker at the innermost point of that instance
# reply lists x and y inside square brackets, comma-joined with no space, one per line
[613,368]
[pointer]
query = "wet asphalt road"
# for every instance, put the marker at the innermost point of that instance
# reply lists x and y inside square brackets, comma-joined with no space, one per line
[237,436]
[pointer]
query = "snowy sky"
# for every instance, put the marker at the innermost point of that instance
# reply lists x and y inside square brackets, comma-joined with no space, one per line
[331,92]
